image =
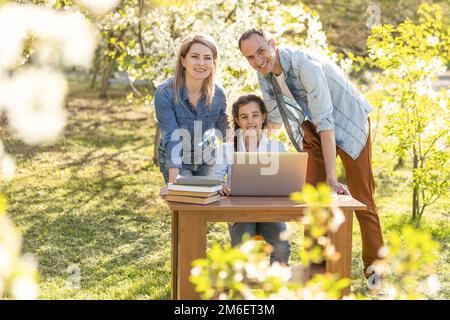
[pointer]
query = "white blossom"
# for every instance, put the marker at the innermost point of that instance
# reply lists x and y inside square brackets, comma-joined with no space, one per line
[383,252]
[433,285]
[98,7]
[379,53]
[391,293]
[7,167]
[257,271]
[12,33]
[6,262]
[72,33]
[234,71]
[248,246]
[196,271]
[433,41]
[24,288]
[238,265]
[279,271]
[337,220]
[238,277]
[223,296]
[346,65]
[34,104]
[289,232]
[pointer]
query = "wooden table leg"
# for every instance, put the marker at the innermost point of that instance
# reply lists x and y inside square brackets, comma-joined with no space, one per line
[174,255]
[342,241]
[191,246]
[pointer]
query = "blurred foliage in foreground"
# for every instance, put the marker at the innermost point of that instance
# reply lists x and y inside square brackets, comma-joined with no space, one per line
[406,270]
[18,274]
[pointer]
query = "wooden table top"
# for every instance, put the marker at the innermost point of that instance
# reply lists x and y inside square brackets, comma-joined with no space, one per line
[262,203]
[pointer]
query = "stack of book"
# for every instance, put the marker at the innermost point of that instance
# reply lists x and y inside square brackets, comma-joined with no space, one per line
[195,189]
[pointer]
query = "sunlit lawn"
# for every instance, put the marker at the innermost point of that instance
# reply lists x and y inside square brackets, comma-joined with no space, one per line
[91,202]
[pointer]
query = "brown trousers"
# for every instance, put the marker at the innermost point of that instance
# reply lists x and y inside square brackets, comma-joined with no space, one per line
[360,183]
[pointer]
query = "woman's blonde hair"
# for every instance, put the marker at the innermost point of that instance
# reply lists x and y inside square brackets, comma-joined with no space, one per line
[180,72]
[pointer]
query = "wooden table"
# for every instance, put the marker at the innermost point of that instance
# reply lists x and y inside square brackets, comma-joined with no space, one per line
[189,231]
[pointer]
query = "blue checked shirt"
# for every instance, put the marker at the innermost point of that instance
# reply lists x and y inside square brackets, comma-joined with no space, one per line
[172,116]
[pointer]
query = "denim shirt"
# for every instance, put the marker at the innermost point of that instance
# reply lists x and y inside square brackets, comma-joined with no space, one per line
[326,96]
[203,119]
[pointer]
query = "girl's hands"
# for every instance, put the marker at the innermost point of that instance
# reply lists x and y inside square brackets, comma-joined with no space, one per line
[226,190]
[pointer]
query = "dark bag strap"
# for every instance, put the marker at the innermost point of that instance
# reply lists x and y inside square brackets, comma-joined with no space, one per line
[282,107]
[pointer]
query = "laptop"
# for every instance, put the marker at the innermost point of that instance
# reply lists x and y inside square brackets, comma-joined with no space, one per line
[268,173]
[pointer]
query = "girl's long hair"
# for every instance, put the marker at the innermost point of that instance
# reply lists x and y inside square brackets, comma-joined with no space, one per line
[180,72]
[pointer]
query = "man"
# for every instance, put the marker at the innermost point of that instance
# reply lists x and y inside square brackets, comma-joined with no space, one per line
[325,116]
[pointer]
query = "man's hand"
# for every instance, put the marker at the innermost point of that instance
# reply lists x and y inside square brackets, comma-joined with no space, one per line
[164,192]
[328,141]
[339,188]
[273,125]
[272,128]
[226,190]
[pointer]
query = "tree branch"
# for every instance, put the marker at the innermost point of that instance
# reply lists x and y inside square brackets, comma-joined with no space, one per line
[431,145]
[141,42]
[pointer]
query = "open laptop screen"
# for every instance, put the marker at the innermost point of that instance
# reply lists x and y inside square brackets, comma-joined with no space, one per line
[268,173]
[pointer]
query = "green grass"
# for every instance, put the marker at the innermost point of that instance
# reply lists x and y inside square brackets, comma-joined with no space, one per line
[91,201]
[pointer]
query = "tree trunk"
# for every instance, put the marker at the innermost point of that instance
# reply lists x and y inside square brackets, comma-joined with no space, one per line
[400,163]
[415,214]
[415,208]
[374,128]
[96,68]
[105,78]
[141,13]
[109,64]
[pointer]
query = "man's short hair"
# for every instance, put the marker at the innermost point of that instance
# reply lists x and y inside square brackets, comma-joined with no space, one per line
[247,34]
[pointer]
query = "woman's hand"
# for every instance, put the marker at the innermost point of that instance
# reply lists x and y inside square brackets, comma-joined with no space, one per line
[164,192]
[226,190]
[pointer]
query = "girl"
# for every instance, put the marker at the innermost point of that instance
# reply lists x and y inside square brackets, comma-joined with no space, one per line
[189,108]
[249,115]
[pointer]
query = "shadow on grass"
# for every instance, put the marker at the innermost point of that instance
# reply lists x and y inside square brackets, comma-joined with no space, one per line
[91,200]
[96,124]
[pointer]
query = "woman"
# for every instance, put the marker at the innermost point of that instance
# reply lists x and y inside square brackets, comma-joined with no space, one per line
[189,108]
[249,114]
